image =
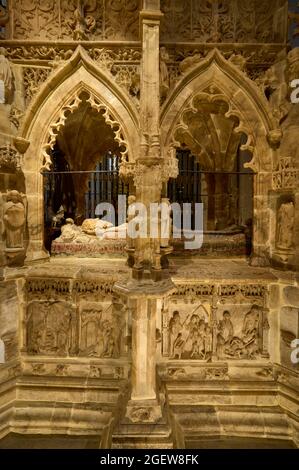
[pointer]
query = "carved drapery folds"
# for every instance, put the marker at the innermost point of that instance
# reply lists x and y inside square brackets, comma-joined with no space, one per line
[76,19]
[285,224]
[13,206]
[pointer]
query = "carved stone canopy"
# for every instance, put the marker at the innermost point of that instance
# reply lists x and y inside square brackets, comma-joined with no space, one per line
[211,131]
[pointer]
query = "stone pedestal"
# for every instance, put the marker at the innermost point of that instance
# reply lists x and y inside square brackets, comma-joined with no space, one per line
[142,300]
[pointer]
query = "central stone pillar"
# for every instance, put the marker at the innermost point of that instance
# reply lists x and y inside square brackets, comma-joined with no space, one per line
[143,348]
[142,300]
[149,283]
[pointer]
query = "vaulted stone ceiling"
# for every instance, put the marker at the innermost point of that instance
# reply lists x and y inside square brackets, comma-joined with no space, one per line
[210,135]
[86,138]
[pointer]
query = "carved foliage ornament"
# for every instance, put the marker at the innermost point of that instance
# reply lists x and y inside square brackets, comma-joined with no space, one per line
[76,19]
[229,21]
[9,158]
[34,77]
[286,175]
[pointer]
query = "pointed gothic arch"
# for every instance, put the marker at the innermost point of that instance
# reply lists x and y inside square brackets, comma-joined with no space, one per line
[217,81]
[58,96]
[243,99]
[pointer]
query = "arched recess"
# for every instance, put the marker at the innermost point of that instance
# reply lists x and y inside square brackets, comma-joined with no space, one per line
[217,82]
[59,96]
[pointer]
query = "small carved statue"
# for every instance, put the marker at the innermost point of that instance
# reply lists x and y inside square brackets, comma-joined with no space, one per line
[58,217]
[111,340]
[6,74]
[14,220]
[175,327]
[178,347]
[276,89]
[285,225]
[89,336]
[226,333]
[82,24]
[164,74]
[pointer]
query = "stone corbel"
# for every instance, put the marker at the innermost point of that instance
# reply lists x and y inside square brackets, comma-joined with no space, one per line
[274,138]
[21,144]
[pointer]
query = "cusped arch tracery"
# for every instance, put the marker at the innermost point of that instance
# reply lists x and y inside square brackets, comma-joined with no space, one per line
[60,95]
[216,80]
[211,129]
[71,107]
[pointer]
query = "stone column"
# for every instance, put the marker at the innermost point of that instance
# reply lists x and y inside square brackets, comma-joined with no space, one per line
[143,349]
[35,218]
[142,300]
[149,283]
[148,175]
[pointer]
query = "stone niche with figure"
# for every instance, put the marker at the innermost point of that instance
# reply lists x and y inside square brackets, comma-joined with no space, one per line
[242,332]
[285,232]
[101,329]
[13,207]
[89,329]
[189,333]
[50,328]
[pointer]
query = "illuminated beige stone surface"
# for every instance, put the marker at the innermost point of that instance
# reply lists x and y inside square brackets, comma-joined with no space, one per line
[130,355]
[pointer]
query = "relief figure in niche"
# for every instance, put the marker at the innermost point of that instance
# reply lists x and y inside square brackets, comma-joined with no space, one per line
[178,347]
[191,339]
[48,328]
[35,327]
[245,346]
[111,339]
[175,326]
[58,322]
[14,220]
[226,333]
[99,336]
[90,331]
[285,225]
[6,74]
[164,74]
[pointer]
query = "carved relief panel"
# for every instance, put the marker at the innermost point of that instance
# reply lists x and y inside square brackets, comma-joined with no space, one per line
[189,331]
[50,328]
[82,319]
[231,323]
[240,331]
[76,19]
[101,329]
[285,224]
[35,19]
[224,21]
